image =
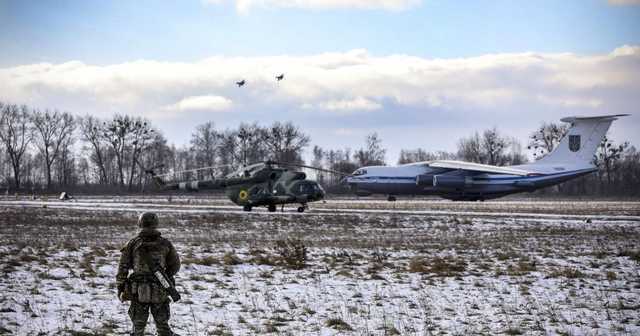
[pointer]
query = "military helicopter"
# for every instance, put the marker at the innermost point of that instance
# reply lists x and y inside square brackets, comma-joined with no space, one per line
[267,183]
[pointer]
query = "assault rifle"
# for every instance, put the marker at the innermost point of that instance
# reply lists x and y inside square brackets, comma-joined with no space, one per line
[160,276]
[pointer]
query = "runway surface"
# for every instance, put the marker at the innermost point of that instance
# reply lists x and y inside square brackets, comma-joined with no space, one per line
[570,210]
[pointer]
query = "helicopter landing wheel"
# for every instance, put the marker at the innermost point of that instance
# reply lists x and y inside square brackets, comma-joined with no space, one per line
[301,208]
[246,208]
[272,208]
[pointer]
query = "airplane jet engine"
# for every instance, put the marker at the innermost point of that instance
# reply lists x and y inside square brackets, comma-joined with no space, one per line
[451,182]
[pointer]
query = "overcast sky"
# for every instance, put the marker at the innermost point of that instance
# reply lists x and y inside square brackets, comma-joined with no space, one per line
[421,73]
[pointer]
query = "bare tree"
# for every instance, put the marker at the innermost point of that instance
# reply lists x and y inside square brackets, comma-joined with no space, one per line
[204,143]
[419,155]
[608,155]
[373,153]
[515,155]
[318,158]
[157,155]
[15,134]
[342,161]
[83,171]
[3,168]
[487,149]
[493,146]
[228,149]
[285,142]
[415,155]
[545,139]
[470,149]
[92,133]
[127,137]
[629,172]
[244,135]
[52,129]
[141,136]
[250,144]
[66,162]
[115,132]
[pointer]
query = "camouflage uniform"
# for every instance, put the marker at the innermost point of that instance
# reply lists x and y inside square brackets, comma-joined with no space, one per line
[146,294]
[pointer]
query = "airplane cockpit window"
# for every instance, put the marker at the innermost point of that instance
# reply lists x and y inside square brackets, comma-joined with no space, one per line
[359,172]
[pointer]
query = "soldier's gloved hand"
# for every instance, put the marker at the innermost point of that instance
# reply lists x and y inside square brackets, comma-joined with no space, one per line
[121,292]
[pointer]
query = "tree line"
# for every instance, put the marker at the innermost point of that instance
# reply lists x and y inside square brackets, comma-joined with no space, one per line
[53,150]
[49,150]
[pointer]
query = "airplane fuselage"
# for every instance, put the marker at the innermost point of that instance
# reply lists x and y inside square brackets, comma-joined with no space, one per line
[455,184]
[458,180]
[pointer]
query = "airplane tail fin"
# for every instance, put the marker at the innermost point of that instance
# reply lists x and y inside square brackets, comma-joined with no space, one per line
[579,144]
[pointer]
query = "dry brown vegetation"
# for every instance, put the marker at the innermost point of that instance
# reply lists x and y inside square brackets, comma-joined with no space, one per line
[379,273]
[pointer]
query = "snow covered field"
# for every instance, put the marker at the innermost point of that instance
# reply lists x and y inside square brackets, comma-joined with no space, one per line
[372,268]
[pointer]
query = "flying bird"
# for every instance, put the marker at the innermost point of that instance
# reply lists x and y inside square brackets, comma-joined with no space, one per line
[241,83]
[280,77]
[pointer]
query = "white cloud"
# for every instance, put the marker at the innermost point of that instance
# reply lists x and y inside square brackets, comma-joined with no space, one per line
[244,6]
[571,102]
[624,2]
[353,80]
[398,90]
[202,103]
[345,106]
[626,50]
[358,103]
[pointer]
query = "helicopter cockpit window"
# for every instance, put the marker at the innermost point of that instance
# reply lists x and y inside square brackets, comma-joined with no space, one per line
[359,172]
[306,188]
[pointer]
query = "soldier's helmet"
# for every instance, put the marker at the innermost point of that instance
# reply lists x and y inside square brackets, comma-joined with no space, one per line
[148,220]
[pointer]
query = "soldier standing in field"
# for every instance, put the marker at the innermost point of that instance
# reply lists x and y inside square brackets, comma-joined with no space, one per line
[140,287]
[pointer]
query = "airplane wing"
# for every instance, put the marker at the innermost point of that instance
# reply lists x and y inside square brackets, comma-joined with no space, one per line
[477,167]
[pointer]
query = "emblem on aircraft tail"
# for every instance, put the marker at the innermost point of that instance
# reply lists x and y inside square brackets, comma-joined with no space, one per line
[574,143]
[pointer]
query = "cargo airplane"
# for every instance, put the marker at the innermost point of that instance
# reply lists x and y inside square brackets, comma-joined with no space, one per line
[465,181]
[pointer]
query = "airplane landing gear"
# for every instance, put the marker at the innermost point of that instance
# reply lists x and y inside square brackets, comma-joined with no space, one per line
[302,208]
[247,208]
[272,208]
[391,198]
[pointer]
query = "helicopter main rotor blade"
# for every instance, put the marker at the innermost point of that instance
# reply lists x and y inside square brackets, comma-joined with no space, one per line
[195,170]
[310,167]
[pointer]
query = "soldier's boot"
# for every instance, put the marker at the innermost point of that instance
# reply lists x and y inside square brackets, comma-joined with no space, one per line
[138,329]
[165,331]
